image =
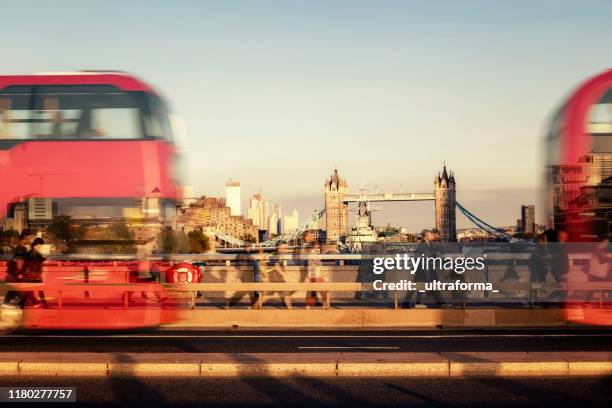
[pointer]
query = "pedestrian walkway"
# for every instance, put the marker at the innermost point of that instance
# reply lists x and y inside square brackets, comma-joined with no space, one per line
[464,364]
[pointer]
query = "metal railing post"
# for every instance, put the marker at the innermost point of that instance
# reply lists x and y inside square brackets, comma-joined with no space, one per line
[600,293]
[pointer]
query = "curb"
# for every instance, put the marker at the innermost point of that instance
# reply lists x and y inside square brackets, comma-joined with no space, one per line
[357,319]
[307,365]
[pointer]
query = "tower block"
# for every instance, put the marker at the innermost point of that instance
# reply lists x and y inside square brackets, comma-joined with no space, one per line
[444,192]
[336,210]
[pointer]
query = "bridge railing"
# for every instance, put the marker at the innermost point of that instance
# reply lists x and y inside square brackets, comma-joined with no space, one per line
[216,257]
[346,277]
[66,292]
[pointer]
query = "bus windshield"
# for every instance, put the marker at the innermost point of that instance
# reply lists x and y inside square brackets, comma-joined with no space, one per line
[80,112]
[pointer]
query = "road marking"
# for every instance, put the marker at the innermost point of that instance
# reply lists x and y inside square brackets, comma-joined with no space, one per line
[349,347]
[291,336]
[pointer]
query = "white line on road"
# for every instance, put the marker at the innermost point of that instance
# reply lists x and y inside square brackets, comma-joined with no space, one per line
[349,347]
[297,336]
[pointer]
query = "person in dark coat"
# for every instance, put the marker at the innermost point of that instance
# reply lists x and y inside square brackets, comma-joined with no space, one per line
[33,273]
[243,260]
[16,267]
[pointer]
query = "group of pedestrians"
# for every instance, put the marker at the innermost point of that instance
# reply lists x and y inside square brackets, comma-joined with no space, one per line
[264,267]
[26,265]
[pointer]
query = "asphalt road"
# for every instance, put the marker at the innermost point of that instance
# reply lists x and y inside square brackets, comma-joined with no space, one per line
[312,392]
[307,341]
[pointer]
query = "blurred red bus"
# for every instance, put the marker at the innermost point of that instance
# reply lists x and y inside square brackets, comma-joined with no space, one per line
[579,181]
[95,147]
[97,144]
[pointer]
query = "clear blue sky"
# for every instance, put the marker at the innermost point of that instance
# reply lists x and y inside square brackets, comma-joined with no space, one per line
[275,94]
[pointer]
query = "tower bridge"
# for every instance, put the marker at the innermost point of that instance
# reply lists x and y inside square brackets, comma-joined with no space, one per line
[337,200]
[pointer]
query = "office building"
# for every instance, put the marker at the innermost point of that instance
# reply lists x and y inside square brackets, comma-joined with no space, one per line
[232,197]
[259,211]
[290,222]
[40,209]
[528,226]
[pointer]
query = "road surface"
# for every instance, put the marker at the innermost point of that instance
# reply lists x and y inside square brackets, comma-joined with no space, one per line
[308,341]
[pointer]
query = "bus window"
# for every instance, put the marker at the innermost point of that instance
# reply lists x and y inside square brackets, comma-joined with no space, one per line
[54,122]
[600,116]
[85,112]
[114,123]
[155,118]
[599,125]
[74,112]
[14,113]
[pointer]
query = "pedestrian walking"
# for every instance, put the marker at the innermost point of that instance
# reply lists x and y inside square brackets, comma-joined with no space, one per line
[16,267]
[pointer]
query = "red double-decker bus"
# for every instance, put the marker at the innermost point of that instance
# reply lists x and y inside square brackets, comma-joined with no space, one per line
[579,182]
[95,143]
[94,148]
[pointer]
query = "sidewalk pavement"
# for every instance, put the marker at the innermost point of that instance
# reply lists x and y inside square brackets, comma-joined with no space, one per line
[353,364]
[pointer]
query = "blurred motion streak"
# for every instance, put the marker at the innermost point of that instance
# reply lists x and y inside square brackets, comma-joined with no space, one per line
[579,183]
[88,159]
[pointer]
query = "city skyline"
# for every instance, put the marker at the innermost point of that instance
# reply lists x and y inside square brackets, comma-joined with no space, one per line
[407,213]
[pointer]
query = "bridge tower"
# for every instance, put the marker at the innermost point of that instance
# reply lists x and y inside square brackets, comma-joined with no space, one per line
[336,210]
[444,192]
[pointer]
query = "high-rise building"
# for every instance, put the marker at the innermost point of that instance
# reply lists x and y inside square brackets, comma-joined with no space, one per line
[188,196]
[444,192]
[336,210]
[259,211]
[232,196]
[290,222]
[278,210]
[275,221]
[571,185]
[40,209]
[528,226]
[253,212]
[265,215]
[273,225]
